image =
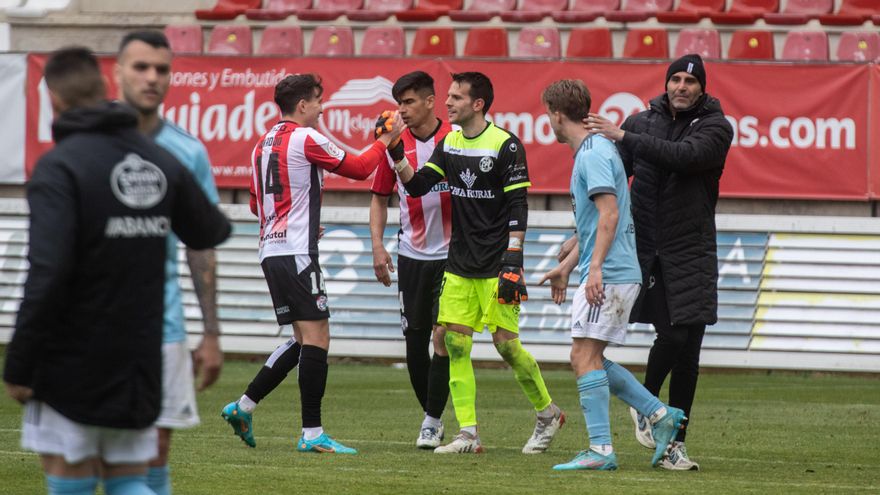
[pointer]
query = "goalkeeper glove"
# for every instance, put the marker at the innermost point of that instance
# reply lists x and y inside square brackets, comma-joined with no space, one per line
[383,125]
[511,282]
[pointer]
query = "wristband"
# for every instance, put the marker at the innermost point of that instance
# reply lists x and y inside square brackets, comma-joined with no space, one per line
[401,165]
[514,243]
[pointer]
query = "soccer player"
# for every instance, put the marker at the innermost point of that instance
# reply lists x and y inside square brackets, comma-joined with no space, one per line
[610,281]
[143,75]
[86,355]
[483,283]
[288,174]
[423,241]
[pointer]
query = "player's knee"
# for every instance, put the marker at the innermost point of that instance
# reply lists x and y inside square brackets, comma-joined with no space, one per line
[457,344]
[439,339]
[509,349]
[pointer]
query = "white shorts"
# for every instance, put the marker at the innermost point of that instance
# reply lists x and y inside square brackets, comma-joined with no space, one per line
[179,408]
[46,431]
[607,322]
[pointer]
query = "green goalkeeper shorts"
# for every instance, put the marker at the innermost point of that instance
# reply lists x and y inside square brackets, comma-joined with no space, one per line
[473,302]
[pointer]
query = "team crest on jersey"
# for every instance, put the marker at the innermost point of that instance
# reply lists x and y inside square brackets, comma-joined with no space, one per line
[334,151]
[485,164]
[468,177]
[137,183]
[403,323]
[513,147]
[321,302]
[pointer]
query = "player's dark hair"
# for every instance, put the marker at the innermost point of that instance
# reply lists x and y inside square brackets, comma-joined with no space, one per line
[568,96]
[156,39]
[294,88]
[481,87]
[73,74]
[419,81]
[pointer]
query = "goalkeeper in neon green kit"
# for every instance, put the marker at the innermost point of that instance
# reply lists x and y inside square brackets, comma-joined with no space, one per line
[486,170]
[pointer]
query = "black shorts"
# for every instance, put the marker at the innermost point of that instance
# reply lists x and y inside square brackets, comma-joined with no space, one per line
[296,284]
[418,283]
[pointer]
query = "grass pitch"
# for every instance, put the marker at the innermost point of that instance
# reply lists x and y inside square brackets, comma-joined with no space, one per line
[751,433]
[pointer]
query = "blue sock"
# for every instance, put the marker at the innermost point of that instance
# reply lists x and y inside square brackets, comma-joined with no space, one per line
[127,485]
[71,486]
[159,480]
[625,386]
[593,388]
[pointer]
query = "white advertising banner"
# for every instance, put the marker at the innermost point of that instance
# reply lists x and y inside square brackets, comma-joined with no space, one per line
[12,117]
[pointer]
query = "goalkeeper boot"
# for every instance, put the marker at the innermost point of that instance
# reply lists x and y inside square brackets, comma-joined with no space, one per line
[676,459]
[643,429]
[323,445]
[665,430]
[430,437]
[545,430]
[463,443]
[242,422]
[589,460]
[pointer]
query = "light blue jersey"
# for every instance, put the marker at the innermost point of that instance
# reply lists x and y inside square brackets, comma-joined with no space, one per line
[192,154]
[598,169]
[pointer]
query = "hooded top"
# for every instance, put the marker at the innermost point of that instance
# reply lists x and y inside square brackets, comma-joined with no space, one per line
[89,330]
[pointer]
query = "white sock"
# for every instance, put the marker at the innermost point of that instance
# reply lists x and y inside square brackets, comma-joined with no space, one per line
[312,433]
[548,412]
[246,404]
[602,449]
[658,415]
[431,422]
[470,429]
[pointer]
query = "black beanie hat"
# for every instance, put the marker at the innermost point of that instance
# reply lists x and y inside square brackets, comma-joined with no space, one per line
[692,64]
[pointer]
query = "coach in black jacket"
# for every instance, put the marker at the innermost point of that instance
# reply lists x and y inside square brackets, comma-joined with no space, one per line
[676,151]
[88,336]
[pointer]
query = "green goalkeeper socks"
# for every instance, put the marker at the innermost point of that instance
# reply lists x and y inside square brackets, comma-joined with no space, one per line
[526,372]
[462,383]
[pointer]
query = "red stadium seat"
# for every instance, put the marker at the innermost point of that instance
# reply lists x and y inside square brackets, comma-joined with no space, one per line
[805,45]
[800,11]
[379,10]
[429,10]
[745,11]
[585,10]
[859,47]
[851,13]
[704,42]
[646,43]
[535,42]
[482,10]
[281,40]
[589,43]
[329,10]
[751,45]
[486,42]
[230,40]
[332,41]
[436,42]
[226,10]
[691,11]
[533,10]
[639,10]
[276,10]
[185,39]
[384,41]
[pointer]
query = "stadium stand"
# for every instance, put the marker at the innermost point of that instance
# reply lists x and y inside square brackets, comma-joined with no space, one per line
[646,43]
[486,42]
[281,40]
[434,41]
[226,10]
[332,41]
[378,10]
[533,10]
[429,10]
[277,10]
[851,13]
[860,46]
[805,46]
[538,42]
[745,12]
[705,42]
[691,11]
[585,11]
[329,10]
[185,39]
[639,10]
[751,45]
[800,11]
[482,10]
[384,41]
[589,43]
[230,40]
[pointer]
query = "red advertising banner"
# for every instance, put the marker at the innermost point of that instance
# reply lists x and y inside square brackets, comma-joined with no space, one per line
[801,131]
[874,139]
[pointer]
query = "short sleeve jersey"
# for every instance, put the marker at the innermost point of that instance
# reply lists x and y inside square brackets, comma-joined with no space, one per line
[480,171]
[192,154]
[426,221]
[288,166]
[598,169]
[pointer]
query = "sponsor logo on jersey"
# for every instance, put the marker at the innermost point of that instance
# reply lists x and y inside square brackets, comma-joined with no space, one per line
[403,323]
[282,310]
[472,193]
[486,164]
[350,113]
[137,183]
[131,227]
[468,177]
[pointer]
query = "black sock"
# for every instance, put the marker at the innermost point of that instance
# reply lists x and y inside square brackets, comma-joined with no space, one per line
[312,383]
[280,363]
[418,362]
[438,386]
